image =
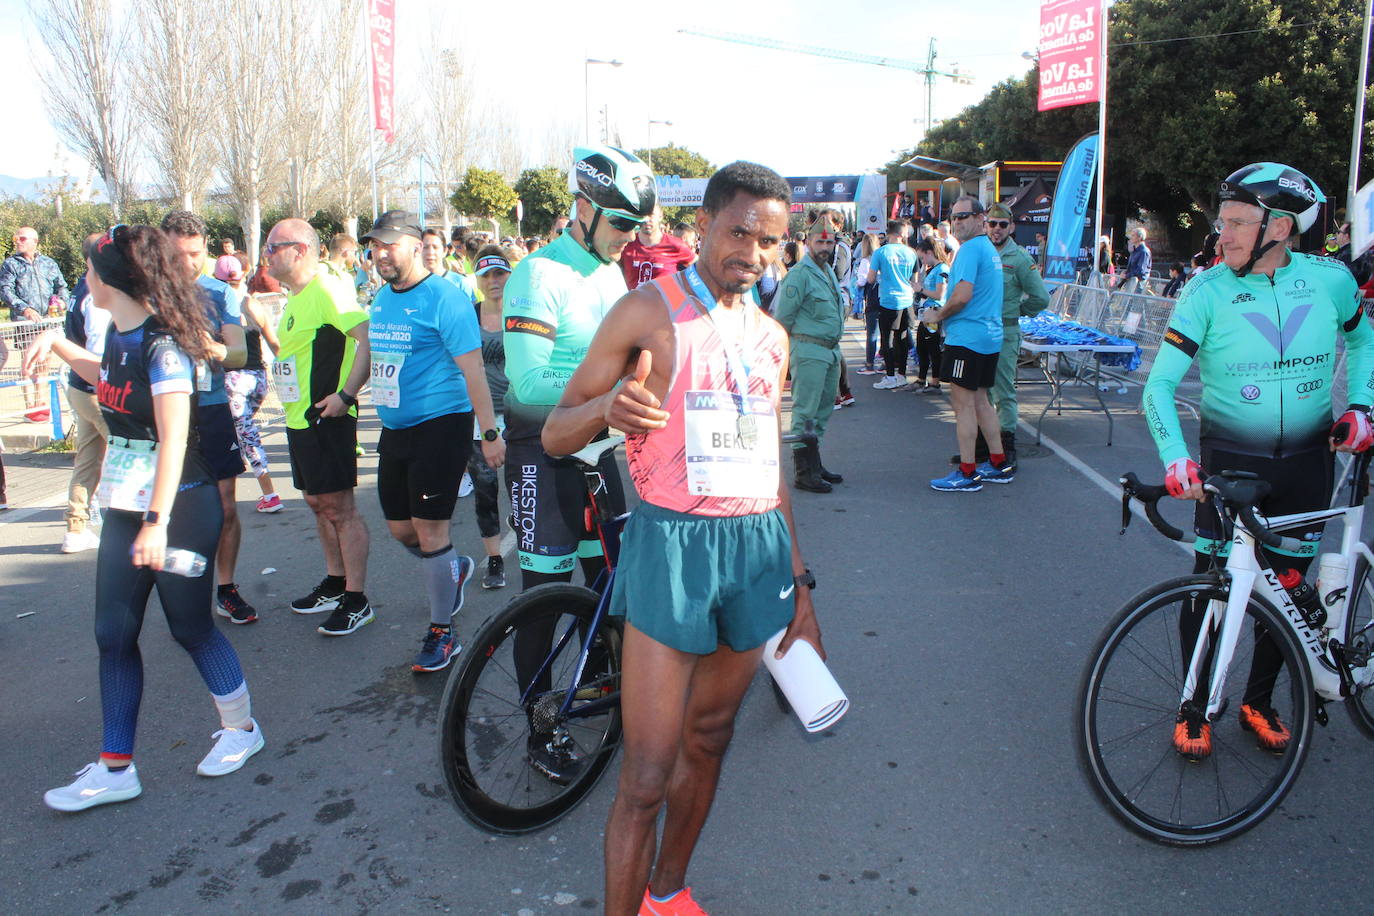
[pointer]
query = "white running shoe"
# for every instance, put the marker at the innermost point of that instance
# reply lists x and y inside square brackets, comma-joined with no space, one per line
[232,750]
[889,382]
[95,785]
[77,541]
[465,486]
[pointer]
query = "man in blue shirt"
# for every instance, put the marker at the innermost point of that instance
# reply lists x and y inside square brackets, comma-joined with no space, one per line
[972,318]
[1138,264]
[892,268]
[219,441]
[427,382]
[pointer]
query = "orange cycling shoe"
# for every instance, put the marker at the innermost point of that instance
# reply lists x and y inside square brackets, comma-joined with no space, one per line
[1270,732]
[679,904]
[1192,735]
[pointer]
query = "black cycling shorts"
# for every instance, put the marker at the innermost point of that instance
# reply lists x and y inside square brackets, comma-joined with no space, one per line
[548,499]
[968,368]
[420,467]
[1299,483]
[219,440]
[324,455]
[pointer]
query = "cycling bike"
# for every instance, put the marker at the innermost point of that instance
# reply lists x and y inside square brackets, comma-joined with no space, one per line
[1144,670]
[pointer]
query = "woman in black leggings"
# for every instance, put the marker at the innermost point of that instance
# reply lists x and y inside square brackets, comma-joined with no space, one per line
[162,503]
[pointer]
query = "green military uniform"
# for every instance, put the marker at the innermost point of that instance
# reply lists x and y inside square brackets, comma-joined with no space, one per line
[1023,293]
[809,306]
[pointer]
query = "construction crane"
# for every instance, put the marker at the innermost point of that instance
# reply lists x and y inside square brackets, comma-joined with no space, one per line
[927,70]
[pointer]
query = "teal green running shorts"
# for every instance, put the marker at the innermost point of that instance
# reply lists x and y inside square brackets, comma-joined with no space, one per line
[695,582]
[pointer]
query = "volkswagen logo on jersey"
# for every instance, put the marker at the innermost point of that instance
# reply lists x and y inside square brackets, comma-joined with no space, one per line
[1250,392]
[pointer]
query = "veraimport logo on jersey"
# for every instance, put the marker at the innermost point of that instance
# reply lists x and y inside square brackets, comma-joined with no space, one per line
[1250,392]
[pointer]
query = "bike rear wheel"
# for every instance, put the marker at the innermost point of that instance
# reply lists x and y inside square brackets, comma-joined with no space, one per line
[1358,636]
[485,729]
[1129,700]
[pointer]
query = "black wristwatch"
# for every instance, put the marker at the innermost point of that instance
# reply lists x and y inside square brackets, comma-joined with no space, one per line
[490,435]
[805,580]
[152,518]
[348,399]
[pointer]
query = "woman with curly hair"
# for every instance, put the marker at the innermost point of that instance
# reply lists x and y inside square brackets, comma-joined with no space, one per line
[160,496]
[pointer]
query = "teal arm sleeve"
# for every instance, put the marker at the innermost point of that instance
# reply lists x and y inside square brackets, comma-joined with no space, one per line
[1359,356]
[530,318]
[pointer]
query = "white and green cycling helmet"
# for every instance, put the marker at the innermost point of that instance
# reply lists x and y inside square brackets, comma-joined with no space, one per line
[617,184]
[1278,190]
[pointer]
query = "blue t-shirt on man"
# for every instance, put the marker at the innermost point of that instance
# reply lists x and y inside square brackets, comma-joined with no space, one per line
[978,325]
[894,263]
[415,336]
[934,277]
[223,305]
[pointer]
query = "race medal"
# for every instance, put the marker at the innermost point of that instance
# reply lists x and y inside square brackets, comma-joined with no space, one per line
[126,476]
[286,381]
[748,429]
[386,378]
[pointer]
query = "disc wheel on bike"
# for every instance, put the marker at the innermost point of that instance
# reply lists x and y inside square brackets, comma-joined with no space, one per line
[1358,637]
[1129,700]
[485,741]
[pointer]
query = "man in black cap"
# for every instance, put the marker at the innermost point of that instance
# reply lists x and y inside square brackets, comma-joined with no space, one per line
[427,383]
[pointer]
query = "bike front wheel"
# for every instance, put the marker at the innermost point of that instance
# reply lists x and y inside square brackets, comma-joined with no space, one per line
[486,731]
[1129,703]
[1358,638]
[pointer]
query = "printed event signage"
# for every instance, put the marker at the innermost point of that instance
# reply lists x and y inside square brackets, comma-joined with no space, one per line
[1070,206]
[381,40]
[1070,53]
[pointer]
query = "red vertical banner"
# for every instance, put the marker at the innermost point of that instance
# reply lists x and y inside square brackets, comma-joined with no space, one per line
[381,40]
[1070,53]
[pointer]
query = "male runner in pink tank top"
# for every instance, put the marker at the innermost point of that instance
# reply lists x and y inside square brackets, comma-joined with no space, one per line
[692,371]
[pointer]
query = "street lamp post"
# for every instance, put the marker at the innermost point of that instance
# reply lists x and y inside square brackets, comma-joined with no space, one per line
[586,92]
[649,140]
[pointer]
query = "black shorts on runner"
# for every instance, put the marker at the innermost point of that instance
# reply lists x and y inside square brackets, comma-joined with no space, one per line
[419,468]
[324,455]
[1298,483]
[968,368]
[219,442]
[548,499]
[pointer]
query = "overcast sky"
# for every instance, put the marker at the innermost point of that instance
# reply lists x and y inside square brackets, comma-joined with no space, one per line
[802,115]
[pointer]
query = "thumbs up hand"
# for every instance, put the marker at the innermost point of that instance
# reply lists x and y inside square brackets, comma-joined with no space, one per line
[633,408]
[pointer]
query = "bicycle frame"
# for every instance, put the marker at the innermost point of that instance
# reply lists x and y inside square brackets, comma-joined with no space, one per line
[608,530]
[1246,575]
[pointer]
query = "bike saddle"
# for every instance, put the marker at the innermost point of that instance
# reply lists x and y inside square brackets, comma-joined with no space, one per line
[592,453]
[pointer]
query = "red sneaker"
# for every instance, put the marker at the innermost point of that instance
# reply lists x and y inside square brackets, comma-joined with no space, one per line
[680,904]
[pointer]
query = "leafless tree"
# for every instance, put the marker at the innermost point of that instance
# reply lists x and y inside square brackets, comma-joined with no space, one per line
[559,139]
[449,91]
[176,56]
[86,87]
[300,117]
[346,160]
[250,158]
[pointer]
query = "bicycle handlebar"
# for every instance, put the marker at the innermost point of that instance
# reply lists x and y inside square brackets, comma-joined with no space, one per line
[1240,490]
[1149,496]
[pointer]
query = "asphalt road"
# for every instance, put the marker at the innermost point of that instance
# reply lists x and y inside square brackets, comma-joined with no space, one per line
[958,624]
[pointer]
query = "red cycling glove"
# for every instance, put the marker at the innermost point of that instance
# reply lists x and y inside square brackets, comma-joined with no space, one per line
[1180,474]
[1353,431]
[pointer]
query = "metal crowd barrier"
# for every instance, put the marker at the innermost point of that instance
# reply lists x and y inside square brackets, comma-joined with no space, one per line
[38,397]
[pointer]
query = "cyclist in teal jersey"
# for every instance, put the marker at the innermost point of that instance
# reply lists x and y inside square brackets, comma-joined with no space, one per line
[554,302]
[1262,325]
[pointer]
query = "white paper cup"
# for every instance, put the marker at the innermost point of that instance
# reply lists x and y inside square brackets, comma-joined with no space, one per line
[807,683]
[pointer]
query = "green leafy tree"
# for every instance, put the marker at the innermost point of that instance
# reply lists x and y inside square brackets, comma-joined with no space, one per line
[484,194]
[1188,104]
[544,192]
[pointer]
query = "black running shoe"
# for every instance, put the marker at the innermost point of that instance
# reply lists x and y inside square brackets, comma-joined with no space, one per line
[496,573]
[555,762]
[230,603]
[347,617]
[324,597]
